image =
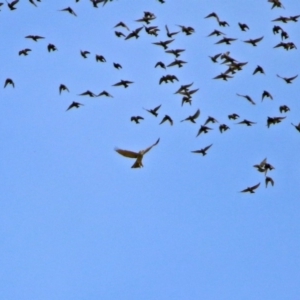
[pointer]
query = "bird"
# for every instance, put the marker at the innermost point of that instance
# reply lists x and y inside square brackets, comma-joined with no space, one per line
[9,81]
[34,37]
[223,127]
[212,15]
[223,23]
[216,33]
[100,58]
[74,104]
[204,129]
[175,52]
[288,79]
[84,53]
[248,98]
[253,42]
[125,83]
[210,120]
[284,108]
[258,69]
[168,78]
[297,126]
[233,116]
[63,87]
[223,76]
[266,94]
[154,110]
[134,33]
[193,117]
[247,122]
[138,155]
[261,167]
[105,93]
[281,19]
[24,51]
[152,30]
[215,57]
[188,30]
[51,47]
[274,120]
[177,62]
[33,3]
[136,119]
[121,24]
[69,10]
[12,4]
[166,118]
[164,44]
[226,40]
[251,189]
[87,93]
[117,66]
[269,180]
[119,34]
[170,34]
[202,151]
[160,64]
[184,87]
[243,26]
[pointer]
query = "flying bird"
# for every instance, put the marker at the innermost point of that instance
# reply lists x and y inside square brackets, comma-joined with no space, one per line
[9,81]
[12,4]
[248,98]
[233,116]
[125,83]
[166,118]
[297,126]
[258,69]
[269,180]
[253,42]
[251,189]
[24,51]
[193,117]
[223,127]
[266,94]
[288,79]
[284,108]
[105,93]
[243,26]
[34,37]
[51,47]
[247,122]
[204,129]
[63,87]
[175,52]
[87,93]
[74,104]
[170,34]
[136,119]
[202,151]
[138,155]
[154,110]
[167,78]
[187,29]
[100,58]
[121,24]
[84,53]
[164,44]
[160,64]
[117,66]
[69,10]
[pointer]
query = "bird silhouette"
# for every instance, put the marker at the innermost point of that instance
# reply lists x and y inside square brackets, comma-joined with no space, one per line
[175,52]
[288,79]
[269,180]
[243,26]
[160,64]
[216,33]
[251,189]
[248,98]
[74,104]
[100,58]
[254,42]
[9,81]
[121,24]
[24,51]
[167,78]
[193,117]
[233,116]
[154,110]
[62,87]
[136,119]
[204,129]
[87,93]
[69,10]
[124,83]
[258,69]
[51,47]
[12,4]
[166,118]
[84,53]
[246,122]
[117,66]
[266,94]
[164,44]
[34,37]
[284,108]
[297,126]
[223,127]
[170,34]
[105,93]
[188,30]
[202,151]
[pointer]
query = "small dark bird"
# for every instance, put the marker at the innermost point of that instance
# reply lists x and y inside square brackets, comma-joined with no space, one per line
[253,42]
[223,23]
[153,111]
[105,93]
[210,120]
[24,51]
[119,34]
[202,151]
[152,30]
[84,53]
[62,87]
[51,47]
[223,127]
[274,120]
[243,27]
[297,126]
[258,69]
[193,117]
[246,122]
[184,87]
[34,37]
[248,98]
[168,78]
[281,19]
[74,104]
[288,79]
[286,46]
[284,35]
[122,24]
[9,81]
[294,18]
[204,129]
[233,116]
[12,4]
[134,33]
[226,40]
[138,155]
[187,30]
[117,66]
[216,32]
[276,29]
[100,58]
[164,44]
[160,64]
[284,108]
[166,118]
[170,34]
[136,119]
[186,100]
[125,83]
[215,57]
[223,76]
[251,189]
[69,10]
[266,94]
[88,93]
[175,52]
[212,15]
[177,62]
[261,167]
[269,180]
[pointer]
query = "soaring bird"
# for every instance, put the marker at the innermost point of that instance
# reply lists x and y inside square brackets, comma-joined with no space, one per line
[210,120]
[154,110]
[226,40]
[288,79]
[177,62]
[134,33]
[251,189]
[253,42]
[160,64]
[87,93]
[122,24]
[193,117]
[63,87]
[168,78]
[119,34]
[164,44]
[125,83]
[175,52]
[138,155]
[105,93]
[247,122]
[216,32]
[69,10]
[215,57]
[223,76]
[274,120]
[34,37]
[166,118]
[212,15]
[74,104]
[202,151]
[9,81]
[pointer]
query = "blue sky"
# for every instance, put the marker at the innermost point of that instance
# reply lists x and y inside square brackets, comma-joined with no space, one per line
[76,222]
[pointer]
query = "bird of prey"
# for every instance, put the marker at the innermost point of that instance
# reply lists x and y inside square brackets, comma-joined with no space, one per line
[202,151]
[84,53]
[266,94]
[253,42]
[243,26]
[74,104]
[63,87]
[167,78]
[138,155]
[9,81]
[117,66]
[284,108]
[24,51]
[193,117]
[34,37]
[226,40]
[51,47]
[69,10]
[247,122]
[175,52]
[170,34]
[164,44]
[166,118]
[204,129]
[248,98]
[223,127]
[153,111]
[269,180]
[177,62]
[251,189]
[12,4]
[134,33]
[258,69]
[216,32]
[136,119]
[87,93]
[297,126]
[233,116]
[121,24]
[160,64]
[288,79]
[100,58]
[105,93]
[187,29]
[125,83]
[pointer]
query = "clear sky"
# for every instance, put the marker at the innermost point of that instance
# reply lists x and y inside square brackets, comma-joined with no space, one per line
[77,222]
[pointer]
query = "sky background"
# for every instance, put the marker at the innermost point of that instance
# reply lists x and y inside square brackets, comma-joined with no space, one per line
[76,222]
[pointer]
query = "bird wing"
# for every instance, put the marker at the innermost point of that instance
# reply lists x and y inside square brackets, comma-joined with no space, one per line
[197,114]
[127,153]
[149,148]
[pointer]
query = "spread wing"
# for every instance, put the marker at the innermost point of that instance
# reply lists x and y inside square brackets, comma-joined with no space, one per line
[127,153]
[149,148]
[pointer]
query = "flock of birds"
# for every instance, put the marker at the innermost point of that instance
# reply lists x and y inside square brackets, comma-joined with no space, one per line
[186,91]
